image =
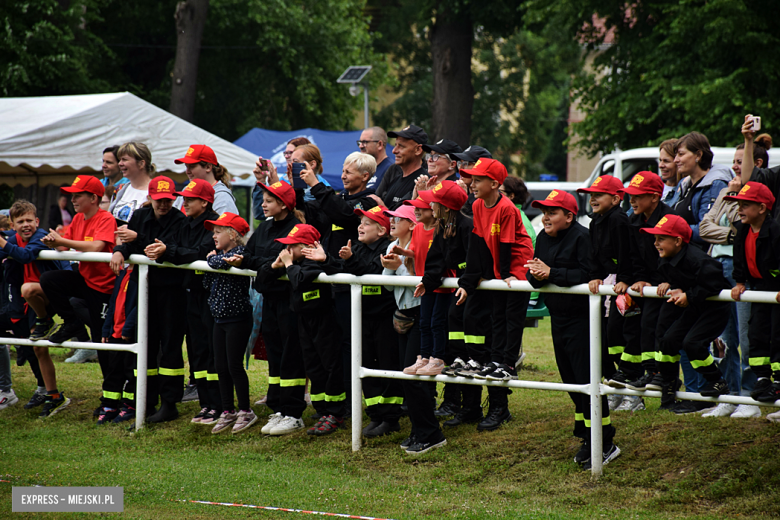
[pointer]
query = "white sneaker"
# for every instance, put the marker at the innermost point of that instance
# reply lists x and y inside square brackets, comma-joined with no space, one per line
[722,410]
[287,425]
[614,401]
[631,403]
[774,417]
[8,399]
[746,411]
[273,420]
[82,356]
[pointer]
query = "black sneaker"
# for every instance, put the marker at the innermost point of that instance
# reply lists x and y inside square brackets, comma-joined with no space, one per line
[386,428]
[424,447]
[107,415]
[43,327]
[488,369]
[502,373]
[495,418]
[472,367]
[371,426]
[127,413]
[465,416]
[762,385]
[715,388]
[67,331]
[656,383]
[583,455]
[685,408]
[52,406]
[409,441]
[640,385]
[447,409]
[190,394]
[36,400]
[669,393]
[455,365]
[619,380]
[611,452]
[770,395]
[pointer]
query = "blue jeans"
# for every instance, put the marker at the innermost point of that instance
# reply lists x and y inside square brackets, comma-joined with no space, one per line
[748,376]
[433,324]
[730,364]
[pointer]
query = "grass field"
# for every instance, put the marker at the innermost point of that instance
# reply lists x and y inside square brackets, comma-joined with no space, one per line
[671,467]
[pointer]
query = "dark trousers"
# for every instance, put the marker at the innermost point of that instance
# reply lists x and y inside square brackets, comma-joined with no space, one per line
[478,326]
[456,348]
[614,342]
[571,344]
[320,338]
[651,309]
[764,339]
[230,340]
[21,329]
[383,396]
[200,349]
[167,323]
[409,343]
[425,426]
[286,373]
[691,329]
[632,358]
[115,376]
[433,324]
[508,316]
[343,305]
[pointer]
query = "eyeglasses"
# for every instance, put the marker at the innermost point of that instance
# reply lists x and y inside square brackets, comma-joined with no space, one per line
[433,157]
[465,165]
[288,154]
[365,143]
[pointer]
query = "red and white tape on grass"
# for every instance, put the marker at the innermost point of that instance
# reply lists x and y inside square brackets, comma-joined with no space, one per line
[269,508]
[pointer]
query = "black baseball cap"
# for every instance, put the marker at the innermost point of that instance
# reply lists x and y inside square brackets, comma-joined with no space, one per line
[471,154]
[415,133]
[443,146]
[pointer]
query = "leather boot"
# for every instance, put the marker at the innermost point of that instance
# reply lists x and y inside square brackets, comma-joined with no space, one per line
[167,412]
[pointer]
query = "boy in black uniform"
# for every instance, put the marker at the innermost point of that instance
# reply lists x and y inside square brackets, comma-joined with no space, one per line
[756,262]
[686,319]
[561,258]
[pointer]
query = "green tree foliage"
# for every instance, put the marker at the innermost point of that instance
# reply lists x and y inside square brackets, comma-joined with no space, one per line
[675,66]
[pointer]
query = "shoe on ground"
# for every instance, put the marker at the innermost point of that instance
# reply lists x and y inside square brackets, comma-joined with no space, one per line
[690,407]
[409,441]
[43,329]
[385,428]
[287,425]
[83,355]
[262,400]
[424,447]
[669,393]
[199,417]
[446,409]
[244,421]
[583,455]
[631,403]
[611,452]
[657,383]
[774,417]
[37,399]
[417,365]
[465,416]
[273,420]
[619,380]
[53,406]
[770,395]
[166,413]
[126,413]
[107,415]
[640,385]
[747,411]
[762,385]
[472,367]
[455,365]
[67,331]
[211,418]
[371,426]
[190,394]
[614,401]
[327,425]
[715,388]
[226,419]
[8,399]
[433,368]
[502,373]
[495,418]
[722,410]
[487,369]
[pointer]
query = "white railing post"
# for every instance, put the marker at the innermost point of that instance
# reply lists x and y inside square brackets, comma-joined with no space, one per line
[356,319]
[142,346]
[596,438]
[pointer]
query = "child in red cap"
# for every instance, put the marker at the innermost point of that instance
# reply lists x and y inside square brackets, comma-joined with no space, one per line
[562,258]
[232,312]
[686,319]
[756,265]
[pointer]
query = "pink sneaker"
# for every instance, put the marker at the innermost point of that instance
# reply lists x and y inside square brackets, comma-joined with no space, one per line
[417,365]
[433,368]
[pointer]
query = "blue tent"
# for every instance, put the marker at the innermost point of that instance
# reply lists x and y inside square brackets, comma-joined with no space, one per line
[335,147]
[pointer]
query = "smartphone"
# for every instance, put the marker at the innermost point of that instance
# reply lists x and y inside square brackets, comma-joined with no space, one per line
[297,168]
[756,123]
[264,165]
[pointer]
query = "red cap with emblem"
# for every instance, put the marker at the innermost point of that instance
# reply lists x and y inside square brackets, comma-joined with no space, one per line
[198,153]
[162,188]
[645,183]
[301,234]
[230,220]
[282,191]
[377,214]
[671,225]
[487,168]
[604,184]
[558,199]
[446,193]
[85,184]
[199,189]
[754,192]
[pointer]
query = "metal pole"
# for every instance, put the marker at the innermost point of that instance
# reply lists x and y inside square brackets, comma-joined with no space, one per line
[142,346]
[365,104]
[357,362]
[596,438]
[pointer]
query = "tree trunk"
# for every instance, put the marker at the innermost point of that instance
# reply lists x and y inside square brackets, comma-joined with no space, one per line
[453,94]
[190,19]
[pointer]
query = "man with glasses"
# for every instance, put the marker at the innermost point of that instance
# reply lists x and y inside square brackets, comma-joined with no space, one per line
[400,179]
[373,141]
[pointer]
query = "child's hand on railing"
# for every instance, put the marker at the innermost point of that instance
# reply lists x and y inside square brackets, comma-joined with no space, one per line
[663,289]
[234,260]
[156,250]
[117,262]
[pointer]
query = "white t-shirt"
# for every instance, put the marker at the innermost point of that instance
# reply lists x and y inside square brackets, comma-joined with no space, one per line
[128,200]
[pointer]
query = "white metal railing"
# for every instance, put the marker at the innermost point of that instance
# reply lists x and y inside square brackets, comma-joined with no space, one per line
[595,389]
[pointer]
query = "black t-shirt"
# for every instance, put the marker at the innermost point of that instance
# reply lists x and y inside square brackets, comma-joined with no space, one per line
[397,188]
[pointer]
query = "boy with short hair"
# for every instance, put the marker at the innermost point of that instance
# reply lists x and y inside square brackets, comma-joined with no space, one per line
[92,230]
[686,319]
[561,258]
[756,264]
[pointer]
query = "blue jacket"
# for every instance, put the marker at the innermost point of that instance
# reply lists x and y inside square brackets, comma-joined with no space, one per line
[704,196]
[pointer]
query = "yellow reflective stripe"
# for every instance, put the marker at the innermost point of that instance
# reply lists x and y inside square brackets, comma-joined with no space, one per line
[273,380]
[758,361]
[292,382]
[149,372]
[171,371]
[462,266]
[629,358]
[212,377]
[336,398]
[457,335]
[661,358]
[616,350]
[311,295]
[200,272]
[704,363]
[318,397]
[334,227]
[646,356]
[604,422]
[384,400]
[579,417]
[201,374]
[128,395]
[371,290]
[478,340]
[775,366]
[112,395]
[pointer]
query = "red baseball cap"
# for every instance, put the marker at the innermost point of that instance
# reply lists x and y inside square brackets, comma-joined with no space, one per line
[301,234]
[604,184]
[754,192]
[672,225]
[199,189]
[197,153]
[162,188]
[230,220]
[282,191]
[487,168]
[417,203]
[86,184]
[377,214]
[446,193]
[404,211]
[558,199]
[645,183]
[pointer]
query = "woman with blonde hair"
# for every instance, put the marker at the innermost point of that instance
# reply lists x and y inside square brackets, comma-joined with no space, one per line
[135,163]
